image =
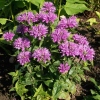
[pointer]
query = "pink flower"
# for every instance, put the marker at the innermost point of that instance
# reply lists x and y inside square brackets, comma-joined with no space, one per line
[63,68]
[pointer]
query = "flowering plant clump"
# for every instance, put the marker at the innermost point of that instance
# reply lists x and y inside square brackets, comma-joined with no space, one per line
[51,58]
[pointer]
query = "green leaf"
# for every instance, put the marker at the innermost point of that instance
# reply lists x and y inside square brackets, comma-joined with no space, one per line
[86,68]
[72,9]
[12,89]
[20,89]
[72,88]
[85,63]
[71,70]
[92,21]
[12,74]
[97,97]
[38,3]
[98,14]
[76,1]
[38,90]
[94,82]
[56,63]
[3,21]
[56,90]
[48,82]
[64,95]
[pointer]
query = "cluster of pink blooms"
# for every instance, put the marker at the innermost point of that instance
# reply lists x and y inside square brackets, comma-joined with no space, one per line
[39,31]
[73,45]
[8,36]
[41,54]
[21,43]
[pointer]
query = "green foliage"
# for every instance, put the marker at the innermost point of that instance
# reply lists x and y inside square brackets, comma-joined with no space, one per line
[75,6]
[38,80]
[95,93]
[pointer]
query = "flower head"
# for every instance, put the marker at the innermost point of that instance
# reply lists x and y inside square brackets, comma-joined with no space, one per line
[80,39]
[69,49]
[22,29]
[70,22]
[25,17]
[23,57]
[39,31]
[41,54]
[48,7]
[60,35]
[21,43]
[8,36]
[47,17]
[86,53]
[63,68]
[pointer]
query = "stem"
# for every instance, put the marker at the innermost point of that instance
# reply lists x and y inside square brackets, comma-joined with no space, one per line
[59,10]
[29,5]
[41,42]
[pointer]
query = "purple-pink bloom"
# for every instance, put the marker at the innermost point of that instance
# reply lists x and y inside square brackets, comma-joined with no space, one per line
[80,39]
[25,17]
[60,35]
[62,23]
[41,54]
[69,49]
[22,29]
[8,36]
[23,57]
[21,43]
[48,7]
[64,48]
[47,17]
[70,22]
[73,49]
[86,53]
[63,68]
[39,31]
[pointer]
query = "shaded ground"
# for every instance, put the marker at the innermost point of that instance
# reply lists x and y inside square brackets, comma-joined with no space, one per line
[6,67]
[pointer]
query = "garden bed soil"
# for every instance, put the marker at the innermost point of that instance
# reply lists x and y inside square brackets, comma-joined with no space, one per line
[7,66]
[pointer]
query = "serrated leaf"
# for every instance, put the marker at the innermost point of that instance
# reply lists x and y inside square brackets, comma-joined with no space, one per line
[20,89]
[92,21]
[72,9]
[38,90]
